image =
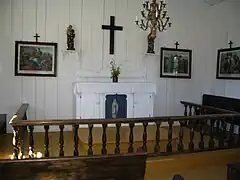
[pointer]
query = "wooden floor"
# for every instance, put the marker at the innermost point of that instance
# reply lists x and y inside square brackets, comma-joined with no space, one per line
[199,166]
[207,166]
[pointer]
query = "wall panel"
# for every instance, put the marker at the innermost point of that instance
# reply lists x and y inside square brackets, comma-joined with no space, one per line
[197,26]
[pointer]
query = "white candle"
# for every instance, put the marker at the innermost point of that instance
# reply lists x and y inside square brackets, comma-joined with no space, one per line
[156,13]
[136,18]
[159,6]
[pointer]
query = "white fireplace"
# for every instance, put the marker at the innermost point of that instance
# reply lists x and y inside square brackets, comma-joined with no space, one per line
[90,98]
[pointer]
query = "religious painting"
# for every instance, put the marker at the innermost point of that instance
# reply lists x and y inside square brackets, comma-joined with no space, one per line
[228,63]
[116,106]
[175,63]
[35,58]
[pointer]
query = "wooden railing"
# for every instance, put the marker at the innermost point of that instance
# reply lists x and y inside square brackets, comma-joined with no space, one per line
[22,112]
[198,109]
[225,139]
[20,132]
[216,125]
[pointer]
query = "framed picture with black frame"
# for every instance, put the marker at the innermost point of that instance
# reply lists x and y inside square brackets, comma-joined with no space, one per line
[228,63]
[175,63]
[35,59]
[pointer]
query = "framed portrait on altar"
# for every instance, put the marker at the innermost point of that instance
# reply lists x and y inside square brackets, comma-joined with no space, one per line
[175,63]
[35,59]
[228,63]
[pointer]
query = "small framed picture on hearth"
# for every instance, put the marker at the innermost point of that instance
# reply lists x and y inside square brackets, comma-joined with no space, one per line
[35,59]
[228,63]
[175,63]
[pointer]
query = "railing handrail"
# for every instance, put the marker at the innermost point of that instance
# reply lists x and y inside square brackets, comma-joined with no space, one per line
[209,107]
[116,121]
[69,158]
[22,110]
[190,103]
[21,113]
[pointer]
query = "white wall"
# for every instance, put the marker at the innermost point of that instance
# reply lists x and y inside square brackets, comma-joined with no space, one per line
[196,25]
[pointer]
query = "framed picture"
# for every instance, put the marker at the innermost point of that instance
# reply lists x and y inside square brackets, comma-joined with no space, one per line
[175,63]
[228,63]
[35,58]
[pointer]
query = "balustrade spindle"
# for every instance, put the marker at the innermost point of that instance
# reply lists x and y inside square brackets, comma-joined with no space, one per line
[197,113]
[21,142]
[221,136]
[15,142]
[61,141]
[145,124]
[185,109]
[191,143]
[131,138]
[217,127]
[169,145]
[224,130]
[180,144]
[117,149]
[231,134]
[211,140]
[46,141]
[201,143]
[31,142]
[75,130]
[197,110]
[185,113]
[190,111]
[104,139]
[90,140]
[189,123]
[157,145]
[202,111]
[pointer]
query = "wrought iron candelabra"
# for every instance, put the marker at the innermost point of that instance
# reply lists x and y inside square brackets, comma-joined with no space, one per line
[154,17]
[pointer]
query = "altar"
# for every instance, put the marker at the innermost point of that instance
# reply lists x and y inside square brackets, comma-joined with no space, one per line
[113,100]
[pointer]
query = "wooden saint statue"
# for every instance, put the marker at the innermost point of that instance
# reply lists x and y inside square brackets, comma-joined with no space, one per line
[70,38]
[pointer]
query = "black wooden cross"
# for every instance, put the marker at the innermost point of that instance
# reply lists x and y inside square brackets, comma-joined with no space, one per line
[230,44]
[177,44]
[112,29]
[36,36]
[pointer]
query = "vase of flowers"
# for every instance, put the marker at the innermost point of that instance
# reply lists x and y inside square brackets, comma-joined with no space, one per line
[115,71]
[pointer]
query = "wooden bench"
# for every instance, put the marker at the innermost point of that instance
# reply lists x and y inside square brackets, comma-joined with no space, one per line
[233,171]
[231,104]
[111,167]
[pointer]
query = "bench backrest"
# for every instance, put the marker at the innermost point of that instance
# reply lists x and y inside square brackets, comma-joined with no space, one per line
[222,102]
[228,103]
[120,167]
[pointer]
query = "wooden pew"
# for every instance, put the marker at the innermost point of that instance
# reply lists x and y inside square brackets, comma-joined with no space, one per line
[227,103]
[111,167]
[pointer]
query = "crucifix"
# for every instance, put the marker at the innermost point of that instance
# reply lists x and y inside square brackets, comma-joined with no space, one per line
[36,36]
[176,44]
[230,44]
[112,29]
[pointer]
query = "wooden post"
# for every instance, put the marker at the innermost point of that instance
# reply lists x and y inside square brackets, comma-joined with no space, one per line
[46,141]
[61,141]
[117,149]
[90,140]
